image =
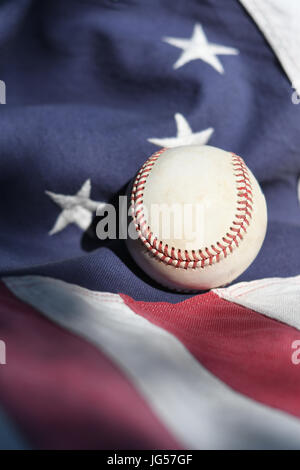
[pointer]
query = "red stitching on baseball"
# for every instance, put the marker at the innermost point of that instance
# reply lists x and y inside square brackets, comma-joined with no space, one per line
[200,258]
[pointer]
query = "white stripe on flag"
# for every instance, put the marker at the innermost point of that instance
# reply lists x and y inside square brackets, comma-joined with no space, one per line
[279,22]
[199,409]
[276,297]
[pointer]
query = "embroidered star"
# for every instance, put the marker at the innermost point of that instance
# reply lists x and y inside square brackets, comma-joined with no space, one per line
[198,47]
[185,135]
[77,209]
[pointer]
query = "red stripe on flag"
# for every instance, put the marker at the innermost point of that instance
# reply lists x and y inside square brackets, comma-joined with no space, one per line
[248,351]
[64,393]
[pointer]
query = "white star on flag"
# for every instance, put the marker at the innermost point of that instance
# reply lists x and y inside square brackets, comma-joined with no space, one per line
[77,209]
[185,135]
[298,189]
[198,47]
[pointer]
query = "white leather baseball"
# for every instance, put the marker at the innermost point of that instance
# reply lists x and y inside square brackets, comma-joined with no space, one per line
[221,207]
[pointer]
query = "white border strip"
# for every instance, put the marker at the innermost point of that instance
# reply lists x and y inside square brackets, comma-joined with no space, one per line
[199,409]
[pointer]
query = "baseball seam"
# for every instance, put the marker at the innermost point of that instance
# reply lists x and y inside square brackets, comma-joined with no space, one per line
[199,258]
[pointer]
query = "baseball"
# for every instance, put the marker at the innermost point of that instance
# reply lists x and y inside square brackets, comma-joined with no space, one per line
[198,215]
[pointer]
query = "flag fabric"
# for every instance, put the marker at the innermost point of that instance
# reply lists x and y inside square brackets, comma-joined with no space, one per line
[88,369]
[94,354]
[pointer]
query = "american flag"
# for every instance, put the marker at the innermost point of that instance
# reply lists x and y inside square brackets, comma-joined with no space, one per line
[93,353]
